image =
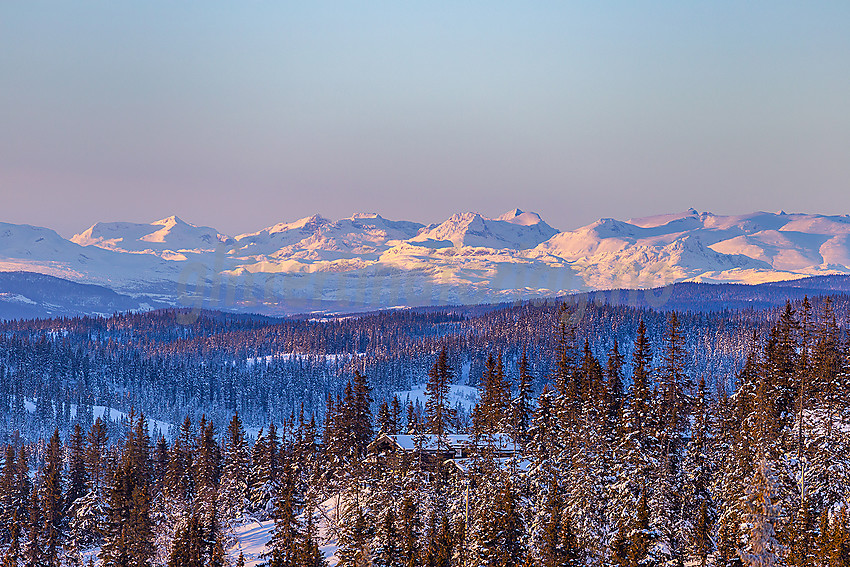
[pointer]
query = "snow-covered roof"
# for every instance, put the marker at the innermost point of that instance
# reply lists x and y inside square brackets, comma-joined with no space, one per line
[501,442]
[408,443]
[520,465]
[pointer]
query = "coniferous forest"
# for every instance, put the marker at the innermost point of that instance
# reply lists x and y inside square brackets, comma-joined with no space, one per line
[600,435]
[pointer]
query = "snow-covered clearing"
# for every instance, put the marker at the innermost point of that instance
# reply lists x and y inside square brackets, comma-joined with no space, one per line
[463,396]
[155,426]
[252,538]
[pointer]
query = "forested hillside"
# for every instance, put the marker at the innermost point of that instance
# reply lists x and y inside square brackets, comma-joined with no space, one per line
[637,438]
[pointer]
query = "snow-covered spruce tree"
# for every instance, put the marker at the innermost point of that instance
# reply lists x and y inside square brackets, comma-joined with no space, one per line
[307,455]
[283,547]
[188,545]
[385,478]
[762,548]
[175,504]
[490,415]
[637,456]
[589,481]
[234,478]
[52,502]
[361,413]
[825,477]
[354,536]
[385,420]
[410,532]
[13,555]
[15,487]
[736,442]
[523,404]
[34,546]
[439,544]
[503,541]
[308,553]
[77,475]
[386,545]
[544,472]
[97,444]
[207,471]
[265,472]
[835,546]
[699,506]
[439,415]
[674,411]
[179,485]
[128,537]
[557,542]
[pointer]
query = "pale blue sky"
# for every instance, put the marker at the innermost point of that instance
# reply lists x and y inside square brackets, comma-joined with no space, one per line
[242,114]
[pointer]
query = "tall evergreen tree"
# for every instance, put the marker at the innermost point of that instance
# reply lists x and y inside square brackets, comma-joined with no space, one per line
[523,403]
[490,414]
[762,548]
[234,478]
[439,415]
[77,475]
[128,541]
[52,502]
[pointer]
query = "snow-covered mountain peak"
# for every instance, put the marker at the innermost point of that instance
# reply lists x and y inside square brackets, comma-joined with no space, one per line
[517,216]
[305,224]
[514,230]
[316,238]
[466,258]
[171,233]
[171,222]
[661,220]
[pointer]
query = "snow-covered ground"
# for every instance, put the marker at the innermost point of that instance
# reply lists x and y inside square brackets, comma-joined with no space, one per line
[155,426]
[252,537]
[459,395]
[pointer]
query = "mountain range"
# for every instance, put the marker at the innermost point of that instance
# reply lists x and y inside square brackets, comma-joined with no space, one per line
[367,262]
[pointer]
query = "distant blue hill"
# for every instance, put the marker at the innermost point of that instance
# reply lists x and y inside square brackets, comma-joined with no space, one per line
[707,297]
[28,295]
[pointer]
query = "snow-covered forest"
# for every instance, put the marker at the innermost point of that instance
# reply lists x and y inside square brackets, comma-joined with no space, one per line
[635,437]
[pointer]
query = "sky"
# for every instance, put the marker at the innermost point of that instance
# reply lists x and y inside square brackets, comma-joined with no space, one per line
[239,115]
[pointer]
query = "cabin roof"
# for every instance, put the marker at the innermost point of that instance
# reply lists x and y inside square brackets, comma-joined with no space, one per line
[453,442]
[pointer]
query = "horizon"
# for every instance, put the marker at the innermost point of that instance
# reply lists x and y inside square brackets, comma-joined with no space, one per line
[366,214]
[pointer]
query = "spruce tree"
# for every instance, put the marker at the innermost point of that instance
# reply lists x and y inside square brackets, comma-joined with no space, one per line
[12,555]
[34,546]
[762,548]
[284,542]
[384,418]
[187,548]
[490,414]
[411,525]
[52,503]
[128,538]
[439,416]
[207,471]
[77,476]
[523,404]
[97,443]
[388,551]
[361,413]
[234,477]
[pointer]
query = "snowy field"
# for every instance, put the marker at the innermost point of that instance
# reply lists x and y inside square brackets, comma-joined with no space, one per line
[459,395]
[155,426]
[251,538]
